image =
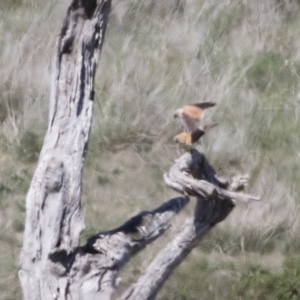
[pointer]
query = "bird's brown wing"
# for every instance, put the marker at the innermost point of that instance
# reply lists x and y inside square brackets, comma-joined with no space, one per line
[196,135]
[204,105]
[189,124]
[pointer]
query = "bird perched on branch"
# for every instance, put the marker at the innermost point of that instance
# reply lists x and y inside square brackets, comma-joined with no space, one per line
[189,138]
[190,117]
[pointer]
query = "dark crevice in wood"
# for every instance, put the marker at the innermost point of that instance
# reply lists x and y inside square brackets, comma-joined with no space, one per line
[89,7]
[92,95]
[63,259]
[67,46]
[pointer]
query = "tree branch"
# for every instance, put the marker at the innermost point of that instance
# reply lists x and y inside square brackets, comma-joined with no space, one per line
[191,174]
[139,231]
[92,270]
[207,214]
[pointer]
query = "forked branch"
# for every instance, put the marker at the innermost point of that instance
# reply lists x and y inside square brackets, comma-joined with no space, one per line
[92,270]
[191,175]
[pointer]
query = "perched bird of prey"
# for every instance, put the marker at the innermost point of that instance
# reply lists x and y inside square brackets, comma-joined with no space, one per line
[189,138]
[190,117]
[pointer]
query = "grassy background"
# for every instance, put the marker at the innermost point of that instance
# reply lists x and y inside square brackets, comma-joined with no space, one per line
[157,56]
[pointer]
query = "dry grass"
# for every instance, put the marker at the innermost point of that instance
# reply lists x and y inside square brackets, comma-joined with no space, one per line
[158,55]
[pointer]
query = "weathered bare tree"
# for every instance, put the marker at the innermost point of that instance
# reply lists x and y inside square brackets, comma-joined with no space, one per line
[52,264]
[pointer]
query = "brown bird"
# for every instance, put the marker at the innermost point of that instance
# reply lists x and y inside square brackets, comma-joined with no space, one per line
[190,117]
[189,138]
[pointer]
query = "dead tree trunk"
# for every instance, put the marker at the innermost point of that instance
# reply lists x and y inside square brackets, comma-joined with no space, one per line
[52,265]
[53,205]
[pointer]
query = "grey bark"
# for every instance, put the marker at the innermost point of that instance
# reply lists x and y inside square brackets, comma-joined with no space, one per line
[52,264]
[191,175]
[94,267]
[53,205]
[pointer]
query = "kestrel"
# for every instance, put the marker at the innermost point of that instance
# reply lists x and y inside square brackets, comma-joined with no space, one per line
[190,117]
[189,138]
